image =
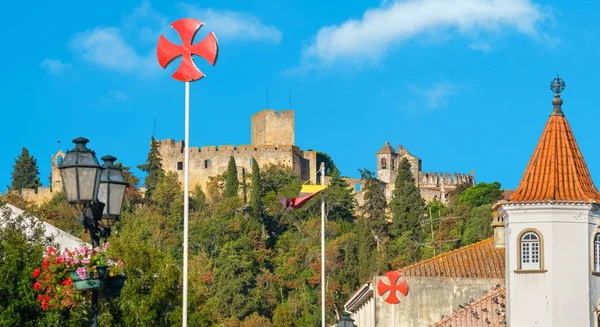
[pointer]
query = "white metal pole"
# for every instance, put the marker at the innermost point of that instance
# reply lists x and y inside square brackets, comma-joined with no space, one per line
[186,201]
[393,314]
[323,246]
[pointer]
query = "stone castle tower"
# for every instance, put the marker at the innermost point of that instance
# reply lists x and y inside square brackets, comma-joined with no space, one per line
[272,142]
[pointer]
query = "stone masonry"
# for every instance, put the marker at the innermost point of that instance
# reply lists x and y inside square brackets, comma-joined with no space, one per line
[44,194]
[272,143]
[433,185]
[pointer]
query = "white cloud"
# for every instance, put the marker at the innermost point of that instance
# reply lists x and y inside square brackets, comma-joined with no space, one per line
[54,66]
[147,23]
[381,28]
[105,47]
[234,25]
[481,46]
[434,97]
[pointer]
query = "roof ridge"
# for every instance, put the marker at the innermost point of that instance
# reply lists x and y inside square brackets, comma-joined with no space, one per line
[494,292]
[445,254]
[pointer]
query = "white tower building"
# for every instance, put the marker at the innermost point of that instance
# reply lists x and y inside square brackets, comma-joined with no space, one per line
[552,239]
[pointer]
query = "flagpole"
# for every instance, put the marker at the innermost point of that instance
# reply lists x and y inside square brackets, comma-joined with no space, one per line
[186,202]
[323,246]
[393,314]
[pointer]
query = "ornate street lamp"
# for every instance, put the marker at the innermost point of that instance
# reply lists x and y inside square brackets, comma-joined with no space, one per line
[112,188]
[95,191]
[346,321]
[80,173]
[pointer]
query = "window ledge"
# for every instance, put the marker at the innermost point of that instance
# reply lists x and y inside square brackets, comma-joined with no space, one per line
[536,271]
[595,273]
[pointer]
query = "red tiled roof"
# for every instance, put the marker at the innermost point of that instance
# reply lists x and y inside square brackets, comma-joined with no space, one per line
[557,170]
[478,260]
[489,311]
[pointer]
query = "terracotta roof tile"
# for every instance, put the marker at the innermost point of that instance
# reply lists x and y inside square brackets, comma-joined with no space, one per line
[479,260]
[556,170]
[488,310]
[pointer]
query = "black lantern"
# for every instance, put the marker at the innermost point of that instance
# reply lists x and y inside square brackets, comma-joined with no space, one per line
[80,173]
[112,188]
[346,321]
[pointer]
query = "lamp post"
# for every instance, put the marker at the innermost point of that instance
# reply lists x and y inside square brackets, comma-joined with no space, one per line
[96,192]
[345,321]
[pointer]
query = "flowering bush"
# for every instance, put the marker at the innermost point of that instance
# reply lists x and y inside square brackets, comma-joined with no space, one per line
[54,286]
[52,280]
[86,261]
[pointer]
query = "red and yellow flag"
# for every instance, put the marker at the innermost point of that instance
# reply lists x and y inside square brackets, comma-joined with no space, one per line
[306,193]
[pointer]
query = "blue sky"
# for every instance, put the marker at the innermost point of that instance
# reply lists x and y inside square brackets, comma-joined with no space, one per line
[463,84]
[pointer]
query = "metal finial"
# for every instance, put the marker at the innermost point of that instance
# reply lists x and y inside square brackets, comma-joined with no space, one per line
[557,85]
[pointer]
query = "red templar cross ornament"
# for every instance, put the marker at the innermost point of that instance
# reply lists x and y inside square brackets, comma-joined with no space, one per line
[207,49]
[388,291]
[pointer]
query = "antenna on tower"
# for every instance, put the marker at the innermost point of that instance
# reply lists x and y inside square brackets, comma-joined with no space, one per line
[267,97]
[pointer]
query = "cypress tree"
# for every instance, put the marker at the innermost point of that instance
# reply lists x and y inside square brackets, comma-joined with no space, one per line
[244,187]
[255,190]
[25,172]
[374,207]
[231,181]
[152,167]
[407,205]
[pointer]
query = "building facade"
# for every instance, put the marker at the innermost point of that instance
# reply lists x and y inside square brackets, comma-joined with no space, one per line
[546,245]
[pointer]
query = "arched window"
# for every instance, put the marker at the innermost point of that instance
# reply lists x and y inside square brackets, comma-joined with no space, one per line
[59,160]
[383,163]
[530,251]
[597,252]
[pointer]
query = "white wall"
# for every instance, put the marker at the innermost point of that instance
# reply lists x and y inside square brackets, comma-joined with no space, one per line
[561,295]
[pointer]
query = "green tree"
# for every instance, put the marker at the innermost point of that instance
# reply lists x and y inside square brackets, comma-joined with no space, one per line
[481,194]
[340,202]
[407,205]
[256,192]
[478,225]
[231,180]
[25,172]
[374,206]
[329,164]
[152,167]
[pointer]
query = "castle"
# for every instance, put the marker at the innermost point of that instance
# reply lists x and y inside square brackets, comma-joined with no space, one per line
[272,142]
[433,185]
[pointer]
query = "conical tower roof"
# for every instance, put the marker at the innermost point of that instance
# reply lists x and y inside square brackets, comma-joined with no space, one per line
[387,148]
[557,170]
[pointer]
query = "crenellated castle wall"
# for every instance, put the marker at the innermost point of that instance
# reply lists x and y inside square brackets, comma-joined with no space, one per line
[44,194]
[272,143]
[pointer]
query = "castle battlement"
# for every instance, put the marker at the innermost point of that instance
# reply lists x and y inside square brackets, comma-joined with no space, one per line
[437,179]
[172,146]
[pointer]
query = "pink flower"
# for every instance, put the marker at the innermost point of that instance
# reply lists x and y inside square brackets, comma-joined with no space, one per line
[81,272]
[85,260]
[75,261]
[82,250]
[106,245]
[96,249]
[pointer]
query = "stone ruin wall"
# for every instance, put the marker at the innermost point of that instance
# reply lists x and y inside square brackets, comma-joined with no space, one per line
[44,194]
[269,127]
[209,161]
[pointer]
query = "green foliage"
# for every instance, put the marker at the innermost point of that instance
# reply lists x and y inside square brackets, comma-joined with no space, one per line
[256,192]
[231,180]
[481,194]
[60,214]
[374,207]
[330,167]
[152,167]
[407,204]
[25,172]
[478,225]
